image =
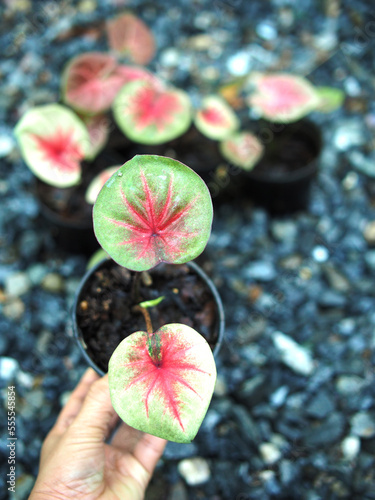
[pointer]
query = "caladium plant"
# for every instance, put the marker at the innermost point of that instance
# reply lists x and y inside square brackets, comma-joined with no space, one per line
[242,149]
[282,97]
[152,210]
[53,142]
[215,118]
[149,113]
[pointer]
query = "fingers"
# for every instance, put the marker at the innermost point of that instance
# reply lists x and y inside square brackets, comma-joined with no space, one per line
[96,417]
[74,404]
[148,451]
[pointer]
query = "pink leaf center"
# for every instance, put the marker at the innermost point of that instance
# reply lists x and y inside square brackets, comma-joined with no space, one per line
[60,150]
[280,94]
[156,226]
[161,373]
[214,117]
[151,107]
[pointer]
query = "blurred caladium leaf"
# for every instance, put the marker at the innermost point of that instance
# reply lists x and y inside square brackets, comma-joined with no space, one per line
[132,73]
[216,119]
[53,141]
[162,383]
[331,99]
[149,114]
[242,149]
[97,183]
[98,128]
[90,82]
[281,97]
[153,210]
[128,35]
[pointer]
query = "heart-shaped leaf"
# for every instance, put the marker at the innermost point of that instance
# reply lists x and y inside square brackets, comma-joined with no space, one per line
[97,183]
[153,210]
[129,35]
[131,73]
[216,119]
[162,383]
[90,82]
[242,149]
[53,141]
[282,97]
[149,114]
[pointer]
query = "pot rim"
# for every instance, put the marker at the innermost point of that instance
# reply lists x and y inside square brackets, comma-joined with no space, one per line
[77,335]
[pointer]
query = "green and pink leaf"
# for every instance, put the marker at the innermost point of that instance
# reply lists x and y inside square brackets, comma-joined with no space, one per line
[128,35]
[282,97]
[155,209]
[162,383]
[90,82]
[150,114]
[331,98]
[97,183]
[216,119]
[53,142]
[242,149]
[98,129]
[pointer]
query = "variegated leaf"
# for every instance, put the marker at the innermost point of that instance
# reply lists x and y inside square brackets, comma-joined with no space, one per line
[162,383]
[97,183]
[149,114]
[53,141]
[242,149]
[153,210]
[282,97]
[216,119]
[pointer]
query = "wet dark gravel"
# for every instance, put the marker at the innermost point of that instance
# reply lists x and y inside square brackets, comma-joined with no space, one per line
[293,415]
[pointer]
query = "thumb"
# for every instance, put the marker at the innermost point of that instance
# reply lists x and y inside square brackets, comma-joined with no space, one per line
[97,417]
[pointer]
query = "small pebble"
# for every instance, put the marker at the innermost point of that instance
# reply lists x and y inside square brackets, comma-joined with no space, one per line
[293,355]
[269,453]
[350,447]
[194,470]
[53,283]
[320,254]
[14,308]
[17,284]
[8,368]
[363,425]
[369,232]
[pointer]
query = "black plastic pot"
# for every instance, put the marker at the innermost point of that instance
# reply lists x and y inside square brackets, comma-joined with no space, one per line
[79,337]
[281,180]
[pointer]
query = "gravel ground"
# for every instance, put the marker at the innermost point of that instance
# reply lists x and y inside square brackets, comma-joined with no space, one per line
[293,415]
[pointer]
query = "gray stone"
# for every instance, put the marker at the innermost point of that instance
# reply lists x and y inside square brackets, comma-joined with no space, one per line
[349,384]
[178,451]
[8,368]
[363,425]
[17,284]
[325,433]
[336,279]
[252,391]
[269,453]
[292,354]
[250,431]
[278,398]
[330,298]
[195,470]
[320,406]
[350,447]
[284,230]
[260,271]
[348,134]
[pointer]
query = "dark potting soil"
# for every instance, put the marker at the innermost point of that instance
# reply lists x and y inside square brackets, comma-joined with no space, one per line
[105,313]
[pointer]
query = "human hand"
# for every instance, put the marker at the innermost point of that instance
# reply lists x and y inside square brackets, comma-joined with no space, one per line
[77,463]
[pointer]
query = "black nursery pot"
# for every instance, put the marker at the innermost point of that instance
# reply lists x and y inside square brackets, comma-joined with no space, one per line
[71,233]
[102,316]
[281,180]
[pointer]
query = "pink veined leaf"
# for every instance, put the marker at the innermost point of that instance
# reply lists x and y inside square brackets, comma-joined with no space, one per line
[132,73]
[242,149]
[151,114]
[129,35]
[60,150]
[91,81]
[162,383]
[216,119]
[154,210]
[53,142]
[97,183]
[282,97]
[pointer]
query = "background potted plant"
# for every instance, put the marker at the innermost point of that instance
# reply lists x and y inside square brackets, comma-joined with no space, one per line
[279,156]
[153,211]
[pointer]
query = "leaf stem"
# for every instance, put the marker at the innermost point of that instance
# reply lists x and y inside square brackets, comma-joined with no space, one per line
[147,317]
[135,287]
